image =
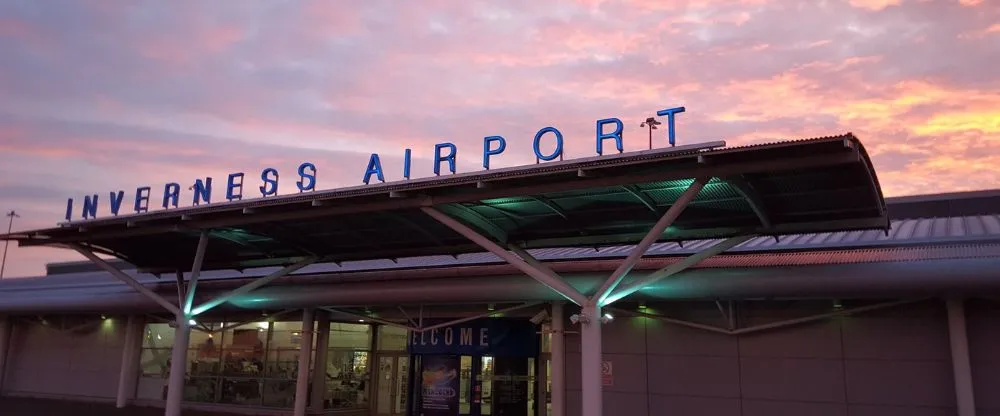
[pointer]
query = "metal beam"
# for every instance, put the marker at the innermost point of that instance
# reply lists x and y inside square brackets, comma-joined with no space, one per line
[474,317]
[675,268]
[654,234]
[368,318]
[470,215]
[558,285]
[120,275]
[200,309]
[642,197]
[752,197]
[199,259]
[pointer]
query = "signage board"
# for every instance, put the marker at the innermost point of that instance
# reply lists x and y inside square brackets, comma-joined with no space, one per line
[607,373]
[498,337]
[439,386]
[608,132]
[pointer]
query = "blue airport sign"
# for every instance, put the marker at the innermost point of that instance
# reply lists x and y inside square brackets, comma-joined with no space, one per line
[444,154]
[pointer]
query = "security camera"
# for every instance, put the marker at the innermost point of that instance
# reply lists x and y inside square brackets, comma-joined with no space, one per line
[577,318]
[540,317]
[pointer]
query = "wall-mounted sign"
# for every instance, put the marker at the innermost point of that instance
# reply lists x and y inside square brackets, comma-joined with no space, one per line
[608,129]
[607,373]
[488,336]
[439,385]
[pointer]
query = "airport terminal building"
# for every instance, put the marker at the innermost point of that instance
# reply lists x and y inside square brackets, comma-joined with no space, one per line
[770,279]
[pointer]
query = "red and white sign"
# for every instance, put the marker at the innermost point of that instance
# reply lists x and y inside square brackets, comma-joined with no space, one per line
[607,374]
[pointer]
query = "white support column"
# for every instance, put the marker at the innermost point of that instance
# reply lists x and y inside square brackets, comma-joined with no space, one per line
[130,357]
[178,367]
[558,347]
[305,351]
[960,357]
[6,329]
[590,360]
[319,363]
[199,260]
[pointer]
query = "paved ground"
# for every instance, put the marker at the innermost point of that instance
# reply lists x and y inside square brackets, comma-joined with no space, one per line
[11,406]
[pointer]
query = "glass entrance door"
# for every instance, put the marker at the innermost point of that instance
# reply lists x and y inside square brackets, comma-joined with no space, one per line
[390,397]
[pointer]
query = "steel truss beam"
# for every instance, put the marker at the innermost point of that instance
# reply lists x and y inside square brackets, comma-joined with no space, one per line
[129,280]
[651,237]
[558,285]
[675,268]
[204,307]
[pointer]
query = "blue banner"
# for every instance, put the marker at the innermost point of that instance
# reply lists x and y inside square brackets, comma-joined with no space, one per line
[499,337]
[439,390]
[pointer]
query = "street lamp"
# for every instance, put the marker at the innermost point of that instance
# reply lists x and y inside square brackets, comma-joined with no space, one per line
[10,225]
[651,123]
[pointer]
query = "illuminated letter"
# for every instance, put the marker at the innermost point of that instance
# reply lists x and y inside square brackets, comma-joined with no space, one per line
[69,209]
[142,199]
[671,138]
[116,201]
[434,337]
[171,192]
[232,186]
[483,342]
[307,171]
[90,206]
[450,158]
[374,168]
[449,336]
[406,163]
[559,144]
[270,178]
[602,136]
[487,152]
[202,191]
[465,336]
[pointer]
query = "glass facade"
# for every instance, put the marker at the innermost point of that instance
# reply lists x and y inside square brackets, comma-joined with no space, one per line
[256,364]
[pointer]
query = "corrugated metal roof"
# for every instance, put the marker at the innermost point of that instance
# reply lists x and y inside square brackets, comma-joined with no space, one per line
[910,232]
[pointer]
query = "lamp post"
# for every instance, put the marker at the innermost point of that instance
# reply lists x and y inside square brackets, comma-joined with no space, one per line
[651,122]
[10,225]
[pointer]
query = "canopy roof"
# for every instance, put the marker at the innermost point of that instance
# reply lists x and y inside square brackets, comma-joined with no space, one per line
[815,185]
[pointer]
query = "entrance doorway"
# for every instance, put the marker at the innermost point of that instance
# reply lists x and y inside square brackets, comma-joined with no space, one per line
[390,395]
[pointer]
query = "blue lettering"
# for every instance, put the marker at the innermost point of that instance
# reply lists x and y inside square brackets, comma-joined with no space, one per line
[406,163]
[202,191]
[171,193]
[234,190]
[450,158]
[142,199]
[69,209]
[374,168]
[671,137]
[559,144]
[116,201]
[270,178]
[487,151]
[90,206]
[616,134]
[307,171]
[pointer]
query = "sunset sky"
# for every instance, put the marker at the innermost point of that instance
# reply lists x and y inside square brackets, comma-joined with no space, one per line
[106,95]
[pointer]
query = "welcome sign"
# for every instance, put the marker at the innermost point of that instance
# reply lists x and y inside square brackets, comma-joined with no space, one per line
[608,129]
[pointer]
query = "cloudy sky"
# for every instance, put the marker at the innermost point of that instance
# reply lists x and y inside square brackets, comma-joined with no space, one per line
[105,95]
